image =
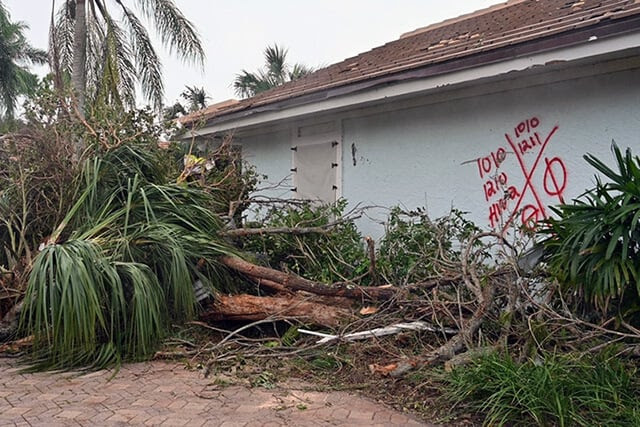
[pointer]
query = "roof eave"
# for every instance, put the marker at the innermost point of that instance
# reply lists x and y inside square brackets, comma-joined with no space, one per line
[570,39]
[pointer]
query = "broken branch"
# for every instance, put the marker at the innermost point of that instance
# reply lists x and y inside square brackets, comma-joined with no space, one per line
[371,248]
[322,229]
[380,332]
[298,283]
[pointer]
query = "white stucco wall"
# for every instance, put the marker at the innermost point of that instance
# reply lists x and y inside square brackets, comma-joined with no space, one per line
[271,154]
[426,156]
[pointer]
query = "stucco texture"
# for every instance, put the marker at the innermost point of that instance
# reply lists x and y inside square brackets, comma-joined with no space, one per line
[517,150]
[271,154]
[493,154]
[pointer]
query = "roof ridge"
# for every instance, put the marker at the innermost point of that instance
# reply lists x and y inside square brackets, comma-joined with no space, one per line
[460,18]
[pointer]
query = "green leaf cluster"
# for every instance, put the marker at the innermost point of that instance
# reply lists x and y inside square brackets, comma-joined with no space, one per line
[415,247]
[335,256]
[593,246]
[16,54]
[120,266]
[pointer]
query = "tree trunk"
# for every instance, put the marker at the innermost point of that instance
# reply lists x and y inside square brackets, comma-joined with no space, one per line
[251,308]
[297,283]
[79,74]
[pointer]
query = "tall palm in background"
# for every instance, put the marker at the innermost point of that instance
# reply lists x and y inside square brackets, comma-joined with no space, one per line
[106,57]
[195,98]
[275,72]
[16,54]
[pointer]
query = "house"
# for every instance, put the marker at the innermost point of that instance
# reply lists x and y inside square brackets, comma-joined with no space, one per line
[490,112]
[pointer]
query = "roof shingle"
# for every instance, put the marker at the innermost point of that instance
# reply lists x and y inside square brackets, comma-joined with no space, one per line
[502,25]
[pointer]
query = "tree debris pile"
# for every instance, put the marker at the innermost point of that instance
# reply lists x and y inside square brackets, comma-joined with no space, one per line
[102,250]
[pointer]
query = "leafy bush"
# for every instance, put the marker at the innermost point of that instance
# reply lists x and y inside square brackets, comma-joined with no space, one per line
[219,168]
[336,255]
[121,257]
[36,187]
[121,264]
[39,165]
[561,390]
[594,244]
[415,247]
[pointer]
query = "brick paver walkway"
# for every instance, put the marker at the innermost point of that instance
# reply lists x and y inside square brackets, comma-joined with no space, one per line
[158,393]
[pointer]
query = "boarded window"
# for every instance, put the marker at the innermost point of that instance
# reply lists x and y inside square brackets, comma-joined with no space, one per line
[316,171]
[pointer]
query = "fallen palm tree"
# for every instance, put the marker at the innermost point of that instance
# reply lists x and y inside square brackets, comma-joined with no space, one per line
[121,264]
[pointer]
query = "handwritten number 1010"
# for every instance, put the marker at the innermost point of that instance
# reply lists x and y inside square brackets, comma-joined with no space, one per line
[487,163]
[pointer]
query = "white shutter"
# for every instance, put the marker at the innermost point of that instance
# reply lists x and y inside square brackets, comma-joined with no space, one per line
[316,162]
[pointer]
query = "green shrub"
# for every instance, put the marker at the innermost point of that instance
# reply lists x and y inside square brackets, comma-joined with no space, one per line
[36,187]
[120,266]
[334,256]
[415,247]
[594,244]
[561,390]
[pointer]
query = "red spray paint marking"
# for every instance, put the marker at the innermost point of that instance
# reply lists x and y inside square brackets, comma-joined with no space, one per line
[526,125]
[550,172]
[528,175]
[499,193]
[485,165]
[529,217]
[492,186]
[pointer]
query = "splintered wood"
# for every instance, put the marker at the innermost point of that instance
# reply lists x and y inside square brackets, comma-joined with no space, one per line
[251,308]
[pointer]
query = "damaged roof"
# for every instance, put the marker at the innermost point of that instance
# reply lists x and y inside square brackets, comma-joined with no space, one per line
[488,35]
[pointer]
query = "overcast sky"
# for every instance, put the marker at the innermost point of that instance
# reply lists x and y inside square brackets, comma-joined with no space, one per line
[235,33]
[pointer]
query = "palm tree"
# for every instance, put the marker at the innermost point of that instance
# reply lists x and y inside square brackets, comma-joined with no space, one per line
[195,97]
[275,72]
[106,57]
[15,55]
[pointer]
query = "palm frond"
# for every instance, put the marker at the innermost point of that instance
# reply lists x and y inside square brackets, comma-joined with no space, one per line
[131,251]
[246,84]
[299,70]
[175,30]
[111,74]
[196,97]
[275,72]
[147,316]
[120,53]
[96,35]
[15,55]
[35,56]
[117,76]
[147,62]
[275,59]
[62,43]
[594,244]
[67,288]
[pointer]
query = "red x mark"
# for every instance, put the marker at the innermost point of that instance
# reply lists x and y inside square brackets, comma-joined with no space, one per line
[530,211]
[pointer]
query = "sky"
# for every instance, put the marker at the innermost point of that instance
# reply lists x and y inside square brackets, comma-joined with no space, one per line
[234,33]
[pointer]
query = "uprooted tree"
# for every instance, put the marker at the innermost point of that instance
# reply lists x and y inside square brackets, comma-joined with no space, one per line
[100,255]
